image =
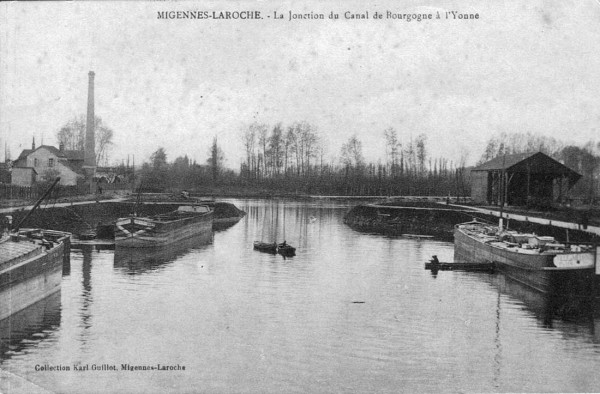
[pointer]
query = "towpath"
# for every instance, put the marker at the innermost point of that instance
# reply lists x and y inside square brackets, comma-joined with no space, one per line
[523,218]
[61,204]
[466,209]
[548,222]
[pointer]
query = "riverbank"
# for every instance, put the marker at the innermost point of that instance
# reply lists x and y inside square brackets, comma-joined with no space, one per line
[85,217]
[438,220]
[584,214]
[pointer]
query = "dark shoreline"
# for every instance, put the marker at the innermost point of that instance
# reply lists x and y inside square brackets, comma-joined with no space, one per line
[438,220]
[100,216]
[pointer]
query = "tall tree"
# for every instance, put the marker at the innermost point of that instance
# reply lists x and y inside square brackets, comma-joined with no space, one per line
[155,174]
[216,160]
[392,150]
[308,144]
[421,152]
[352,156]
[276,149]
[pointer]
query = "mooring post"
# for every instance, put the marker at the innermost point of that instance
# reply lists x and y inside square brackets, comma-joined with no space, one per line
[595,279]
[596,258]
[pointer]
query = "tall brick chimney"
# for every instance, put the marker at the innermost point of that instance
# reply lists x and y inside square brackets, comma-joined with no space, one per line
[89,158]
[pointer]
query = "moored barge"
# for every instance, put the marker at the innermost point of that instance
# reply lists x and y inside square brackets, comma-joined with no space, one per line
[31,266]
[163,229]
[538,262]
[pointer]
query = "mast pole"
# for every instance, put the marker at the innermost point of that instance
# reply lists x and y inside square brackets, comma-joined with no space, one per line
[502,190]
[37,204]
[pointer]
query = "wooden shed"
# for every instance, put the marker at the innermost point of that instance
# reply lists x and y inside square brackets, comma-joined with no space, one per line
[520,179]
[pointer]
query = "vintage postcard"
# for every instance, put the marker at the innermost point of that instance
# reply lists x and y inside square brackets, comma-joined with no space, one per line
[300,196]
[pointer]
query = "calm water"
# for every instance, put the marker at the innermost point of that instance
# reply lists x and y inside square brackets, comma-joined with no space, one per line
[351,312]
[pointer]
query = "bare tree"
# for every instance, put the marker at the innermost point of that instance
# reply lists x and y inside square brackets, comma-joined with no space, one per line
[103,137]
[292,144]
[352,156]
[249,141]
[72,137]
[392,150]
[216,159]
[276,149]
[308,142]
[421,152]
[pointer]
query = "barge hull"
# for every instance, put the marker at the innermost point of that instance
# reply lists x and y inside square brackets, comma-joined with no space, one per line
[166,233]
[533,270]
[30,281]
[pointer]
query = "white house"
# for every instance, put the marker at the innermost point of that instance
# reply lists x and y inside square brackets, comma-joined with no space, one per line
[48,162]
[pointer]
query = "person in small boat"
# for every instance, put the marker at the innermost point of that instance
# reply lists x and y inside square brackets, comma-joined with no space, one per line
[283,244]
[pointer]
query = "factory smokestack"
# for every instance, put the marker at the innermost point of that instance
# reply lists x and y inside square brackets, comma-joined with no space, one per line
[89,153]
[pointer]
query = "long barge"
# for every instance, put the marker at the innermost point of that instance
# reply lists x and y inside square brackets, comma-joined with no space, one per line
[31,267]
[538,262]
[164,229]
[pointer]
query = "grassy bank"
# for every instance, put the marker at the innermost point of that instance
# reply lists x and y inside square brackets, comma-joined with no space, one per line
[439,220]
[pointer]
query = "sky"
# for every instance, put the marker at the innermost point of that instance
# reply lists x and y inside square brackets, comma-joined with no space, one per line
[523,66]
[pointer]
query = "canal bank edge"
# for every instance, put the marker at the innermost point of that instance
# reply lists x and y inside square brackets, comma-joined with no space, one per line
[79,218]
[438,220]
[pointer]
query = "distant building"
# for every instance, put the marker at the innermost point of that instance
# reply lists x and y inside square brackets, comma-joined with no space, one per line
[112,175]
[520,179]
[46,162]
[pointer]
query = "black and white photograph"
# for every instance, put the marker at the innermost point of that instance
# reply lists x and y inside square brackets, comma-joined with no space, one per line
[299,197]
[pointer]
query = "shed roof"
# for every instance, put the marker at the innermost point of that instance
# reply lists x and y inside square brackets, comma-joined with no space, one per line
[503,162]
[534,163]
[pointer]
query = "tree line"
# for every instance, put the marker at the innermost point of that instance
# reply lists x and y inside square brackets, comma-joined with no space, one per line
[291,159]
[183,173]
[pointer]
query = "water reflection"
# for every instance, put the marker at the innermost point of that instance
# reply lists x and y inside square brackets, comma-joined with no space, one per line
[224,225]
[142,260]
[86,290]
[351,312]
[555,310]
[295,222]
[30,326]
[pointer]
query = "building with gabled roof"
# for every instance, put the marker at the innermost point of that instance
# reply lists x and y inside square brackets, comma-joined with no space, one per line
[518,179]
[71,165]
[47,161]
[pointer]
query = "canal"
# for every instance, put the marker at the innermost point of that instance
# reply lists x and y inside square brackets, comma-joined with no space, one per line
[351,312]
